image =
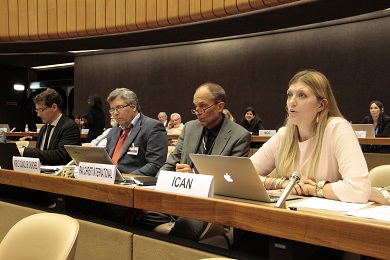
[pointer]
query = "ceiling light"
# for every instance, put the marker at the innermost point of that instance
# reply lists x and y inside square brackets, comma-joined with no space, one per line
[18,87]
[61,65]
[83,51]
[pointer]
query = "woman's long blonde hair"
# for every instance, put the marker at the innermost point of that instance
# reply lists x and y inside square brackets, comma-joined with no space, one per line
[289,154]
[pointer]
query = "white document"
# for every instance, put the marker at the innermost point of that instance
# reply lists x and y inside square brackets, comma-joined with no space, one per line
[378,213]
[335,205]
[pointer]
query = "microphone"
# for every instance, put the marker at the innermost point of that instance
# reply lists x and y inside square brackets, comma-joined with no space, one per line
[294,179]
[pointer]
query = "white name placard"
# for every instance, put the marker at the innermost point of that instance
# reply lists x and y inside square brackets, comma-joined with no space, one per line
[97,172]
[360,134]
[267,132]
[26,164]
[186,183]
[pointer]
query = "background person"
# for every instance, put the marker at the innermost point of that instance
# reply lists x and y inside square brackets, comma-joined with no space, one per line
[95,119]
[101,140]
[163,118]
[318,143]
[77,120]
[381,123]
[175,127]
[251,122]
[228,114]
[139,144]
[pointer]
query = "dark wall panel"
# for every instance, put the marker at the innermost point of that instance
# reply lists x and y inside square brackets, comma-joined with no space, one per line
[254,71]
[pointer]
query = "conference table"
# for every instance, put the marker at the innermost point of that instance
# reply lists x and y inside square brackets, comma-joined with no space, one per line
[263,139]
[325,228]
[255,139]
[33,134]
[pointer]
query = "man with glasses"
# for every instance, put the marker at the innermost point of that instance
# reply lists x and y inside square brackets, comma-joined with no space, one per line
[139,144]
[211,133]
[57,131]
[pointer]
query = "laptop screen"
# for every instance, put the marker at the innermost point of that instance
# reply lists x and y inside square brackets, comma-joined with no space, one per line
[7,151]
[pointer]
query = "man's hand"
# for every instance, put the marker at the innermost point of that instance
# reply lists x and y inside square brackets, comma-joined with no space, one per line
[183,168]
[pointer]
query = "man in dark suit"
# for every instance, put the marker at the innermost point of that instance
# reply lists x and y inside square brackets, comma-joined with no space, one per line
[139,144]
[163,118]
[224,137]
[57,131]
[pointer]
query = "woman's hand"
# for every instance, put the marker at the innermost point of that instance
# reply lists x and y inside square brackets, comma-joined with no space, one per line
[305,188]
[376,196]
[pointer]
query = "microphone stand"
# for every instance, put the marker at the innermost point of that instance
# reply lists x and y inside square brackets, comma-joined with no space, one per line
[294,179]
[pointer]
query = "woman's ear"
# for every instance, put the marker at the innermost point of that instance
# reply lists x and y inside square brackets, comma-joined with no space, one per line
[323,104]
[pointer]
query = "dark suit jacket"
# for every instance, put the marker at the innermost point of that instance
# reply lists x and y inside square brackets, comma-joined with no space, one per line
[150,137]
[232,140]
[66,132]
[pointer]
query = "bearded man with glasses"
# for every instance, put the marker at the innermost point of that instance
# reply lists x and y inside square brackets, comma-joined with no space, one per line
[211,133]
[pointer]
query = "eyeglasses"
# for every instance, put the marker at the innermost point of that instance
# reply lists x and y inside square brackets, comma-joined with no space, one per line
[40,110]
[118,108]
[200,111]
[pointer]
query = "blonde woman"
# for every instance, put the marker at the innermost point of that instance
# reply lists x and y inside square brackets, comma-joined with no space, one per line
[228,114]
[318,143]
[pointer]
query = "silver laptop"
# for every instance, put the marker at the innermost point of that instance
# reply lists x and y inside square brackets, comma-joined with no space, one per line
[368,128]
[234,177]
[94,154]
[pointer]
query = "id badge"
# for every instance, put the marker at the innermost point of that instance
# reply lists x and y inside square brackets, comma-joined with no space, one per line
[132,150]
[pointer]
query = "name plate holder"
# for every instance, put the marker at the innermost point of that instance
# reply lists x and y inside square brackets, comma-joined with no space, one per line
[97,172]
[186,183]
[26,164]
[360,134]
[267,132]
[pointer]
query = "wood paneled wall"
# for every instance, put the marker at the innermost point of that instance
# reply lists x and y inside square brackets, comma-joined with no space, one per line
[353,55]
[29,20]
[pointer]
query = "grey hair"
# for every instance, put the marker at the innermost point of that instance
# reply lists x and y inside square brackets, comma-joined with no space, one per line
[216,90]
[176,114]
[129,96]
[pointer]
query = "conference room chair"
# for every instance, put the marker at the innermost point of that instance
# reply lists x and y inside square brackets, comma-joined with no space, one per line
[380,176]
[20,144]
[25,138]
[41,236]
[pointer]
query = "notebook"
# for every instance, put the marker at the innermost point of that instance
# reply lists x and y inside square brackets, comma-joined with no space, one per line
[7,151]
[94,154]
[368,128]
[234,177]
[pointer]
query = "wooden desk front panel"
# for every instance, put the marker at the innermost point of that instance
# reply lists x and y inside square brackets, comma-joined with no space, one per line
[351,234]
[109,193]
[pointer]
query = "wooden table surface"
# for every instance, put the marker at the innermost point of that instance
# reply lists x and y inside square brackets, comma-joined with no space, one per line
[325,228]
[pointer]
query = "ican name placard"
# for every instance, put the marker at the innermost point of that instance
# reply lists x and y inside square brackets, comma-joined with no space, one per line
[97,172]
[186,183]
[26,164]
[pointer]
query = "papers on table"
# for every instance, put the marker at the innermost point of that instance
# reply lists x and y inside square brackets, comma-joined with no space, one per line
[320,203]
[378,213]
